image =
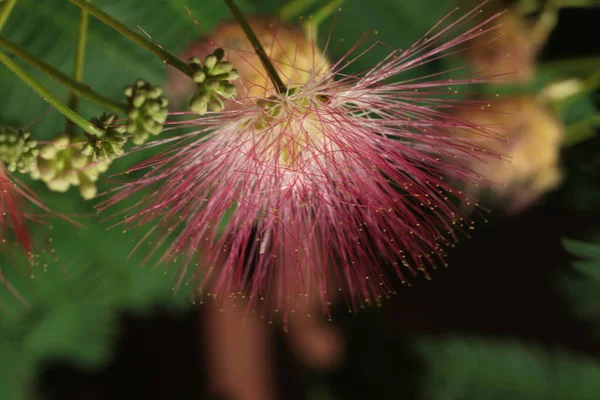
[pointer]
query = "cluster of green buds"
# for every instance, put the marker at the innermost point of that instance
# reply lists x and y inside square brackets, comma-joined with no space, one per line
[107,145]
[147,110]
[214,82]
[17,150]
[61,165]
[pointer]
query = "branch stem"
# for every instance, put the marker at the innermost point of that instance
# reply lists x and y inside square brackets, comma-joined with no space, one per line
[581,131]
[312,23]
[258,48]
[295,8]
[62,78]
[80,51]
[149,45]
[6,8]
[79,64]
[49,97]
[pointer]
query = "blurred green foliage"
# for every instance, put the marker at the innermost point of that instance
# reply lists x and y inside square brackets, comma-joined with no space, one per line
[462,368]
[582,286]
[75,315]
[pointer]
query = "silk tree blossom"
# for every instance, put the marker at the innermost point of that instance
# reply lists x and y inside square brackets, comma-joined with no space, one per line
[14,226]
[22,215]
[335,187]
[533,167]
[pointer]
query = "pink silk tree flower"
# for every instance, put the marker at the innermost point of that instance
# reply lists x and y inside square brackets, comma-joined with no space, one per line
[333,188]
[532,168]
[25,245]
[21,211]
[14,228]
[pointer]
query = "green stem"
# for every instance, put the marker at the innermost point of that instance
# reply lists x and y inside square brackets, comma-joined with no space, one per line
[49,97]
[545,24]
[5,9]
[581,131]
[311,26]
[258,48]
[568,68]
[293,8]
[63,79]
[588,85]
[80,52]
[592,83]
[152,47]
[78,65]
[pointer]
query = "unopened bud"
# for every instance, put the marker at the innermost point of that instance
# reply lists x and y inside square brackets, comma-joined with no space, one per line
[215,104]
[213,81]
[227,90]
[87,150]
[221,68]
[69,162]
[17,150]
[110,144]
[210,61]
[148,111]
[199,76]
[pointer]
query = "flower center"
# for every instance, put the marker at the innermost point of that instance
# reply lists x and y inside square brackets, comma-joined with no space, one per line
[291,131]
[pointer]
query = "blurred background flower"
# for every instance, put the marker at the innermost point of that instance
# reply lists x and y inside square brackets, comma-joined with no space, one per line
[293,54]
[530,167]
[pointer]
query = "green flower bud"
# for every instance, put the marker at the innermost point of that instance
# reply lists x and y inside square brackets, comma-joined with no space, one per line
[199,76]
[227,90]
[194,61]
[211,85]
[221,68]
[151,108]
[70,175]
[67,161]
[213,82]
[48,152]
[156,92]
[78,160]
[87,150]
[17,150]
[133,113]
[199,105]
[138,100]
[219,53]
[215,104]
[128,91]
[60,185]
[232,75]
[110,144]
[45,170]
[147,111]
[87,188]
[161,116]
[210,61]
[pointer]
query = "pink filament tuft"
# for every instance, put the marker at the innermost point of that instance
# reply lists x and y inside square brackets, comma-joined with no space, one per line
[329,190]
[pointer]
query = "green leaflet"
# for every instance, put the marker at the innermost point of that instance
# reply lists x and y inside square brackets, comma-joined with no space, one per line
[474,368]
[398,24]
[582,287]
[74,315]
[112,61]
